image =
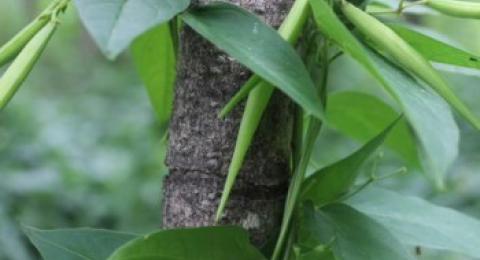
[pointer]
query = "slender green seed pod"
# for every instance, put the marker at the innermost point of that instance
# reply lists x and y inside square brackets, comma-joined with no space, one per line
[290,30]
[387,41]
[11,49]
[257,102]
[23,64]
[292,27]
[462,9]
[15,45]
[240,95]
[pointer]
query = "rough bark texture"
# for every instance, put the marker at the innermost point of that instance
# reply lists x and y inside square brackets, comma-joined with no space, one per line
[201,145]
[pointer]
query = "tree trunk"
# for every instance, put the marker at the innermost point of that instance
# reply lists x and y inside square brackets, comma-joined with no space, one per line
[201,144]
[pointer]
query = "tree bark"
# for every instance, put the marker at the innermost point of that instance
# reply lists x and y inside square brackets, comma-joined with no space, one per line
[201,144]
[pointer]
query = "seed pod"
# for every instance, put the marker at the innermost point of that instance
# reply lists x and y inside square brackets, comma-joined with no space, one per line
[462,9]
[387,41]
[15,45]
[23,64]
[252,83]
[290,30]
[11,49]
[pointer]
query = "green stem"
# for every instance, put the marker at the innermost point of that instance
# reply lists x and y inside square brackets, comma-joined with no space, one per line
[400,7]
[56,7]
[313,130]
[289,245]
[372,180]
[297,141]
[296,183]
[408,5]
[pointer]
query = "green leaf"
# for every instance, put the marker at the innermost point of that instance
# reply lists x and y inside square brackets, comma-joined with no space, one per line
[419,223]
[331,182]
[115,24]
[12,244]
[362,116]
[254,44]
[431,120]
[436,50]
[76,244]
[201,244]
[386,41]
[318,253]
[314,229]
[351,234]
[155,59]
[428,114]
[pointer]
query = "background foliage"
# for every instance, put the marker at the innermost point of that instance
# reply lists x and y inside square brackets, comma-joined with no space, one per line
[79,145]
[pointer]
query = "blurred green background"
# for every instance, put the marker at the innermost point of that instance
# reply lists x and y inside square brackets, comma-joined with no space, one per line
[79,147]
